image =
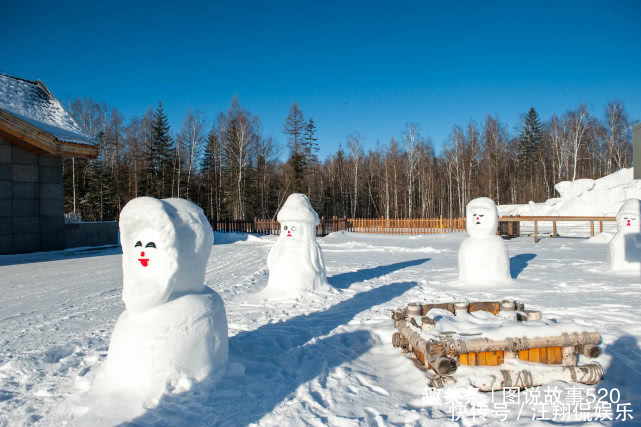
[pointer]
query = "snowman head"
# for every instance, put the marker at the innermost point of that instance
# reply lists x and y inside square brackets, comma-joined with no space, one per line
[482,218]
[165,247]
[297,218]
[629,217]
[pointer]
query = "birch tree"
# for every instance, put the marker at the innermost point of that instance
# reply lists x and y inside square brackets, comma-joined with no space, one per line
[411,143]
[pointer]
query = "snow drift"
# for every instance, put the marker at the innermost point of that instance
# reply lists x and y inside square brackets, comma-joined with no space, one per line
[584,197]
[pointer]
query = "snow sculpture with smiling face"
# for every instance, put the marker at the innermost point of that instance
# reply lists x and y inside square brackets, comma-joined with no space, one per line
[174,330]
[296,262]
[624,250]
[483,257]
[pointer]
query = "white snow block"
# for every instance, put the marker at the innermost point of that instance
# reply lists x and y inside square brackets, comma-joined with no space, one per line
[295,262]
[624,250]
[483,256]
[174,330]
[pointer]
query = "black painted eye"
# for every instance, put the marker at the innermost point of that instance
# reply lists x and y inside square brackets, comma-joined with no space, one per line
[150,245]
[481,215]
[285,227]
[293,228]
[138,243]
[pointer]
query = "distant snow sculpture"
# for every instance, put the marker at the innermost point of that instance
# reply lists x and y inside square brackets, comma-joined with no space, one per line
[296,262]
[174,330]
[624,250]
[483,257]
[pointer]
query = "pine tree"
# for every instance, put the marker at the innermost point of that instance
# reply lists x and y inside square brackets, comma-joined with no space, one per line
[529,146]
[159,155]
[309,138]
[294,127]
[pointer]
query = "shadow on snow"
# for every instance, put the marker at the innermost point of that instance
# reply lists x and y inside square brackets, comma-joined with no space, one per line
[624,375]
[519,263]
[345,280]
[278,358]
[59,255]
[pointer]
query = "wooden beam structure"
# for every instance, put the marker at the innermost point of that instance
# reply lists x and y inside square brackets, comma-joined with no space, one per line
[555,219]
[35,140]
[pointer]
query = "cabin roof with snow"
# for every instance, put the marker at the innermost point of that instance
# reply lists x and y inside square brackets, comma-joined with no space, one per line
[32,117]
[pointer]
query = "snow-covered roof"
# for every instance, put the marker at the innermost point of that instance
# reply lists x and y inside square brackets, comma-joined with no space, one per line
[33,103]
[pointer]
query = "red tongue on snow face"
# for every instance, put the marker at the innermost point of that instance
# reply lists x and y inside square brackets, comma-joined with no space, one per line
[144,262]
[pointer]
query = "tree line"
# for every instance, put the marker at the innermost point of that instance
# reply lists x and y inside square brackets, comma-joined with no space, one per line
[229,168]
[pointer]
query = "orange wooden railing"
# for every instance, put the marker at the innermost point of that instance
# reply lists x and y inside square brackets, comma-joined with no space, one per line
[407,226]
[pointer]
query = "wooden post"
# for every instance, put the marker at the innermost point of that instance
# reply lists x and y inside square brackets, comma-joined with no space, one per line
[601,226]
[554,229]
[592,228]
[536,231]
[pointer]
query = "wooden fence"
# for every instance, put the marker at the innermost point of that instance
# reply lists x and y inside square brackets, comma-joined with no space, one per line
[359,225]
[268,226]
[508,225]
[407,226]
[555,219]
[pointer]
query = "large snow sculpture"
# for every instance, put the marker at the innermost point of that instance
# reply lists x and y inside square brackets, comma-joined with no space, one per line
[483,257]
[174,330]
[296,262]
[624,250]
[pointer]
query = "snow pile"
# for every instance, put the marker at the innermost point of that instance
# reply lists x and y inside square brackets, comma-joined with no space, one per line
[624,250]
[222,238]
[584,197]
[295,262]
[33,103]
[173,332]
[483,324]
[600,238]
[483,257]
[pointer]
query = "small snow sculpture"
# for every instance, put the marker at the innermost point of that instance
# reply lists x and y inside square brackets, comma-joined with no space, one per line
[483,257]
[174,330]
[624,250]
[296,262]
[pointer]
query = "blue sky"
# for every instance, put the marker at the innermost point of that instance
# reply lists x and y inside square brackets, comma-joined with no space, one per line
[369,66]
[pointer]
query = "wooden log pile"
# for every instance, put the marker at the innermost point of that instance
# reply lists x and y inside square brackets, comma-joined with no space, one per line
[558,353]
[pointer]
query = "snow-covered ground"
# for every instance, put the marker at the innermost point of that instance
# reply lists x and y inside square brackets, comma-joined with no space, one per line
[324,359]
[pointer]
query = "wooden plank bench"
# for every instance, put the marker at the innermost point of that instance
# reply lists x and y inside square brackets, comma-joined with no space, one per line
[555,219]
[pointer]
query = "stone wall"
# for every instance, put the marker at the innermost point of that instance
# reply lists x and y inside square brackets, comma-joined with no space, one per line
[31,201]
[91,234]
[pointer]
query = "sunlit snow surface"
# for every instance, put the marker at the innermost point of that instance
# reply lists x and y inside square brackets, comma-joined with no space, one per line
[325,359]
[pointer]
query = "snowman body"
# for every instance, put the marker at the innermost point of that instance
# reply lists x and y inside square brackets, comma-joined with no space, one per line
[624,249]
[483,256]
[174,330]
[295,262]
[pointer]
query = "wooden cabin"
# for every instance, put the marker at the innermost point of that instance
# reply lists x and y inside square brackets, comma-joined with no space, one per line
[36,132]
